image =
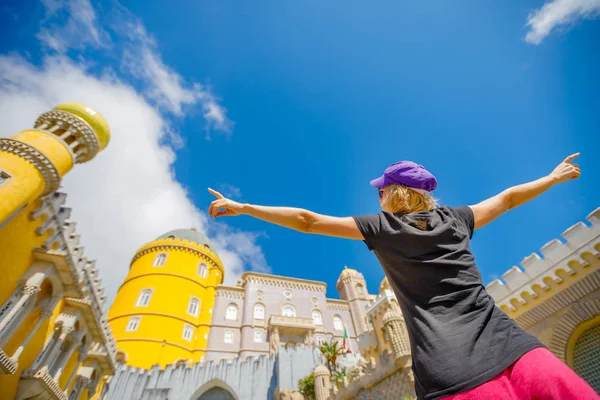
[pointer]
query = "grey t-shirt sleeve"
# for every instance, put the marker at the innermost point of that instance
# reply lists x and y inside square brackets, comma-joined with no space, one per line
[370,227]
[465,215]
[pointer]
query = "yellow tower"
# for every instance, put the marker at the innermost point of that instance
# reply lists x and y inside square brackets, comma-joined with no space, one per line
[162,312]
[32,164]
[34,161]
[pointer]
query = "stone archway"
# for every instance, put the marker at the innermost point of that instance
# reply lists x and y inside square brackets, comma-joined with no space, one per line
[577,314]
[216,393]
[215,389]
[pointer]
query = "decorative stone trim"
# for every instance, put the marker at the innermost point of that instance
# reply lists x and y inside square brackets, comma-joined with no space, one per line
[38,159]
[283,282]
[560,301]
[178,247]
[7,365]
[230,292]
[57,119]
[578,313]
[338,305]
[47,382]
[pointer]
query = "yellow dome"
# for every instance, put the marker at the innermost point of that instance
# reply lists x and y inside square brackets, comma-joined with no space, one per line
[349,271]
[92,117]
[384,285]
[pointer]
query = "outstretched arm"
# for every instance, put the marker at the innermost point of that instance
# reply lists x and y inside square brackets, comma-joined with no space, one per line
[490,209]
[293,218]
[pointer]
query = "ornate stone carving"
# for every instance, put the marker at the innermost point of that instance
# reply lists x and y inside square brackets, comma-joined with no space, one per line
[77,127]
[39,160]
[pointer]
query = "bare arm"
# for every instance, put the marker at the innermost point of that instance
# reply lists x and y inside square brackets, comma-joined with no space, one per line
[490,209]
[288,217]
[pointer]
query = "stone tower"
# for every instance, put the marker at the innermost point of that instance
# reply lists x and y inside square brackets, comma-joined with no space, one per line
[352,287]
[322,382]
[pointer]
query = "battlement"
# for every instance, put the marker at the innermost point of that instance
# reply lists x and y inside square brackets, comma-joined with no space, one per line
[559,260]
[255,377]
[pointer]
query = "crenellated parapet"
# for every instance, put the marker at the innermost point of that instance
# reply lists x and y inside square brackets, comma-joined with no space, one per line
[255,377]
[561,263]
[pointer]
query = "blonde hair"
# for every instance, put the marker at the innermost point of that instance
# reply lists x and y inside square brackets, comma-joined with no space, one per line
[401,199]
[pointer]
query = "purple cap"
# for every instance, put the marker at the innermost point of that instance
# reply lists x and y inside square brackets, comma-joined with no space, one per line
[406,173]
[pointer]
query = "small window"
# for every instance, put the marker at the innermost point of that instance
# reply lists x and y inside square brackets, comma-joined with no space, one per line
[259,294]
[338,325]
[228,337]
[315,301]
[320,340]
[188,331]
[288,311]
[259,311]
[317,317]
[287,293]
[360,291]
[193,306]
[144,298]
[4,177]
[160,260]
[202,270]
[231,313]
[133,324]
[258,336]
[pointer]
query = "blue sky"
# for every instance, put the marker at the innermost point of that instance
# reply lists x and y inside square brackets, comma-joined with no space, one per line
[301,104]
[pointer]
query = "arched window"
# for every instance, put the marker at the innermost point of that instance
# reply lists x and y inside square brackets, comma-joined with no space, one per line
[144,298]
[585,355]
[338,325]
[317,317]
[188,331]
[258,336]
[193,306]
[259,311]
[320,340]
[360,290]
[288,311]
[202,270]
[160,260]
[133,324]
[228,337]
[231,313]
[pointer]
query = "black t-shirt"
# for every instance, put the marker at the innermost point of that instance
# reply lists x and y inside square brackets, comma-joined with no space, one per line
[459,339]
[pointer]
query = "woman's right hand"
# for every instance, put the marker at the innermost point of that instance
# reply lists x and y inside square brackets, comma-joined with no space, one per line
[566,170]
[222,206]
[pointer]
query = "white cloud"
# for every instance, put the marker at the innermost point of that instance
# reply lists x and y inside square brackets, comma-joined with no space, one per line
[71,24]
[557,13]
[128,194]
[230,191]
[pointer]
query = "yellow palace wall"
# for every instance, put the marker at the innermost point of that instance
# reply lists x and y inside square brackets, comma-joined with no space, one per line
[38,292]
[159,336]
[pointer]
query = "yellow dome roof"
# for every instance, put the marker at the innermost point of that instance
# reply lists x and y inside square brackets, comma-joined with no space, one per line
[92,117]
[384,285]
[349,271]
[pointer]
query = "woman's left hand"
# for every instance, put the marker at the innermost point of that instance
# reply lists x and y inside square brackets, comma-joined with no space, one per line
[223,207]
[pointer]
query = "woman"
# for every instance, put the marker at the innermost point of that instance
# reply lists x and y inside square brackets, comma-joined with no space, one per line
[463,346]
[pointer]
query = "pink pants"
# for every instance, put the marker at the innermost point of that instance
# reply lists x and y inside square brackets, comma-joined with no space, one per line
[537,375]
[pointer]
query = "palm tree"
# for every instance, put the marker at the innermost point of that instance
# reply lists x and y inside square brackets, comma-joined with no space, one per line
[331,351]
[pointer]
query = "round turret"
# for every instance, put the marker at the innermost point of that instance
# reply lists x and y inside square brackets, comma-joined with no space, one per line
[78,126]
